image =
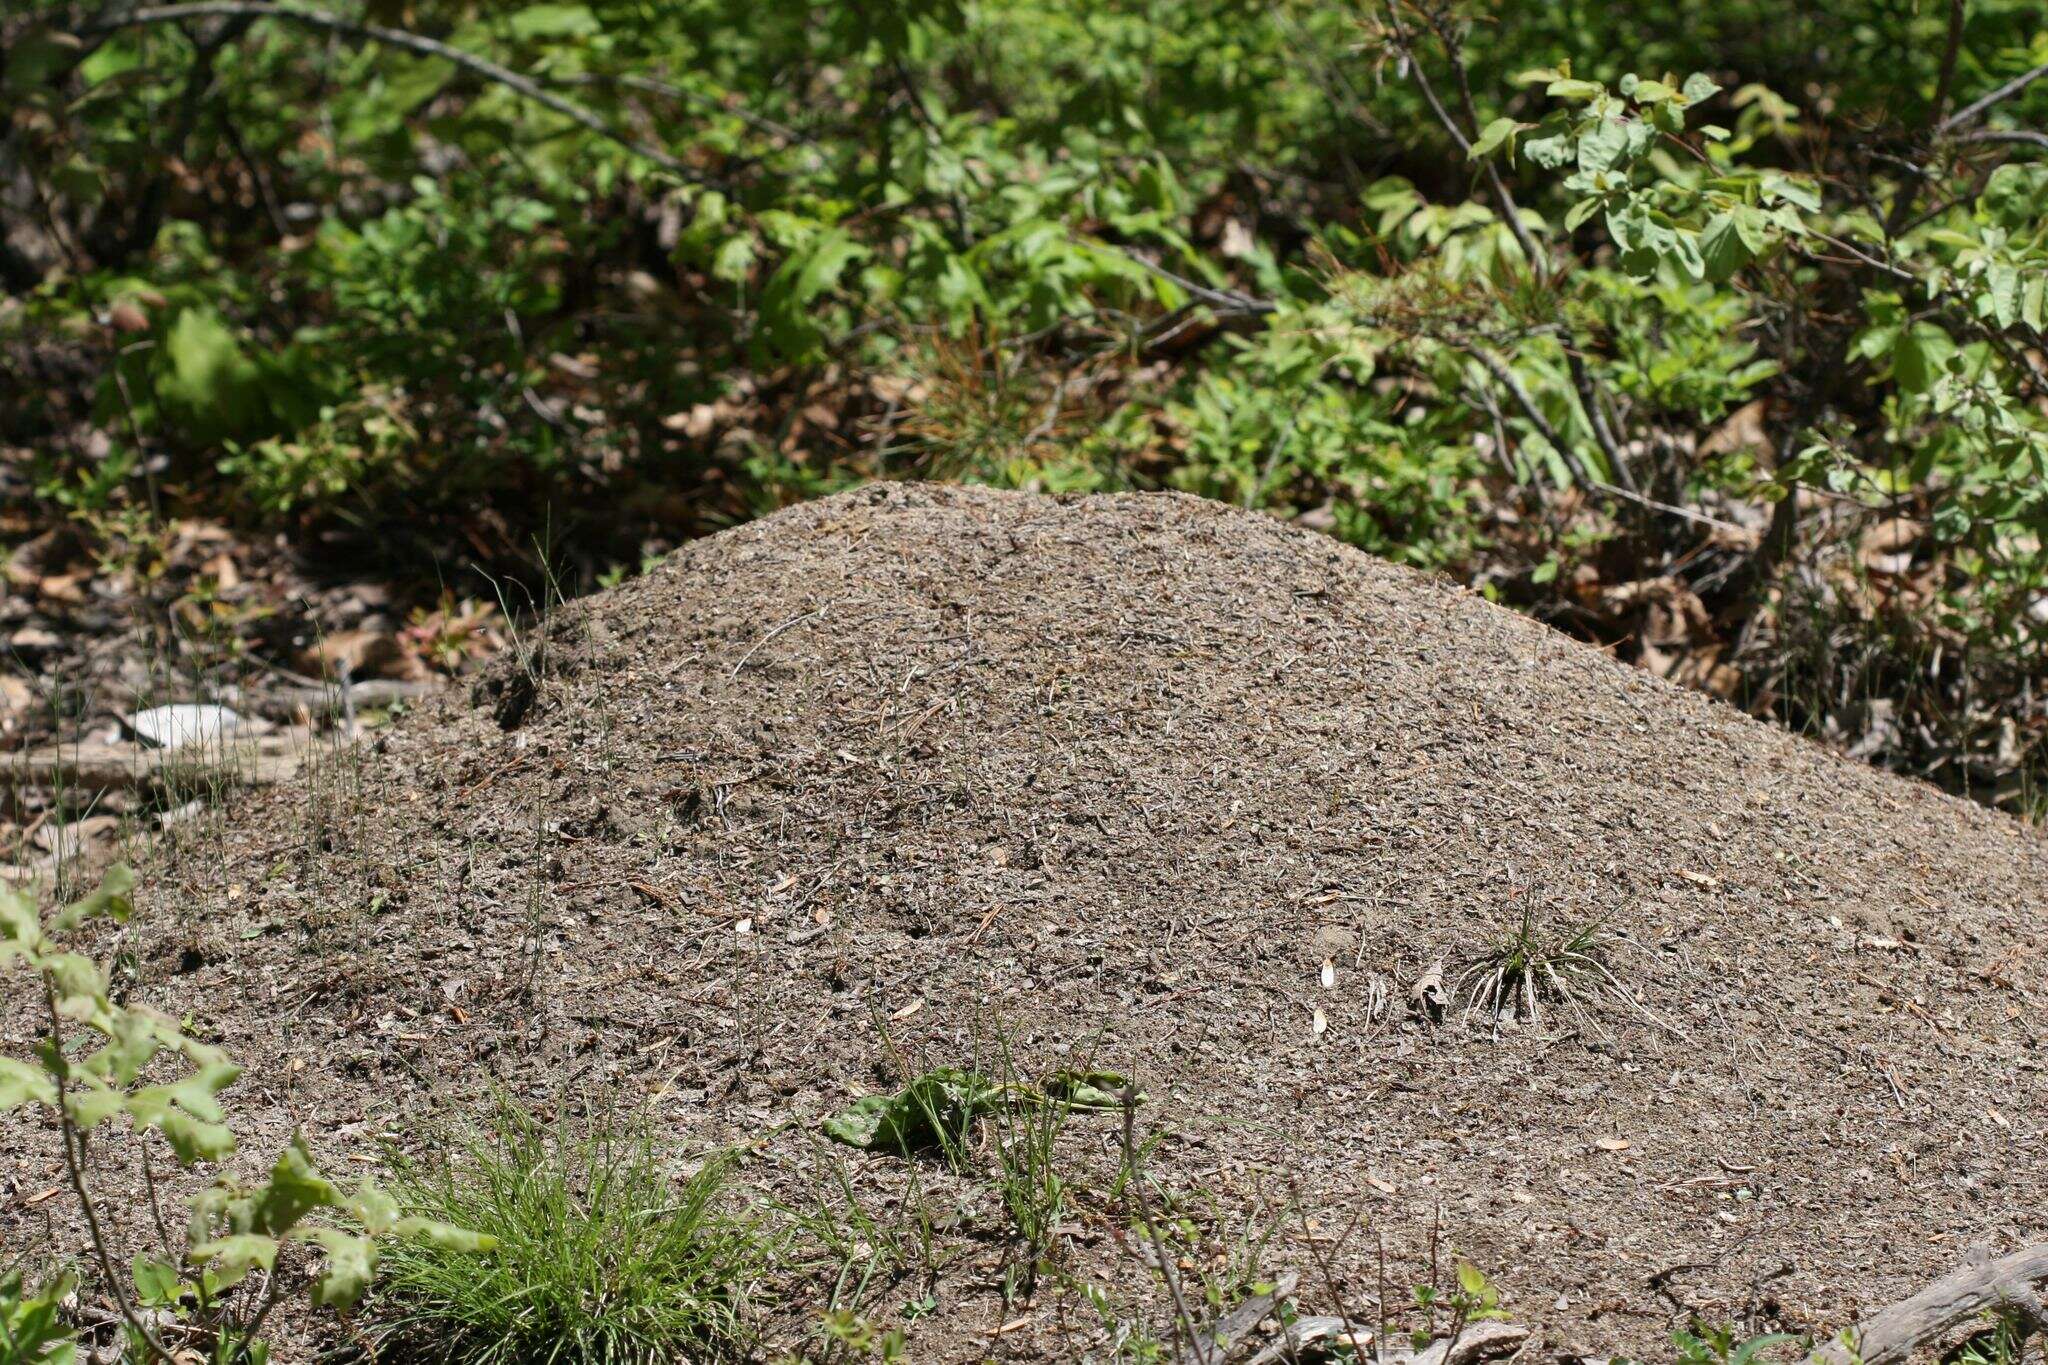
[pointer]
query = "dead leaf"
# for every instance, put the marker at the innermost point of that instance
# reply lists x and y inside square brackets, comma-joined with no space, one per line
[1742,430]
[1612,1144]
[1428,992]
[912,1008]
[78,838]
[362,654]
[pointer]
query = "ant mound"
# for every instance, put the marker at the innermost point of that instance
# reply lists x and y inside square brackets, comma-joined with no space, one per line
[1428,933]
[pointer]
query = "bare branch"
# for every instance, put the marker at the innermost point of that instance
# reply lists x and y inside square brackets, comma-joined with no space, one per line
[409,42]
[2020,135]
[1974,110]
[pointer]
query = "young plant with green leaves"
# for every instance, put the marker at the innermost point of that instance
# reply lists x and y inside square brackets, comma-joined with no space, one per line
[101,1060]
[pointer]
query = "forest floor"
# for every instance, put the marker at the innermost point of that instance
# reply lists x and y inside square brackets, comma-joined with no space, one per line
[922,776]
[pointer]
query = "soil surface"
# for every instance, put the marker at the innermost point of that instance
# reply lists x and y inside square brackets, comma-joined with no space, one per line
[914,776]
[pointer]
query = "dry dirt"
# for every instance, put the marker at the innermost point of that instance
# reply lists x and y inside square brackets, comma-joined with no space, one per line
[871,783]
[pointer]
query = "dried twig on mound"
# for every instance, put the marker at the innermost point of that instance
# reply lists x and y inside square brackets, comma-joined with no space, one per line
[2012,1284]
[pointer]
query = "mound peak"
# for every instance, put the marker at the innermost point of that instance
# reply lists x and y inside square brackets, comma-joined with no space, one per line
[1206,798]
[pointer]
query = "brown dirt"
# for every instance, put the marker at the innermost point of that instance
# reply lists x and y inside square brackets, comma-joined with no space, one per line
[1118,775]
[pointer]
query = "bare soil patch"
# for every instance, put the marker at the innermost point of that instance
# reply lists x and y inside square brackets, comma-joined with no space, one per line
[861,787]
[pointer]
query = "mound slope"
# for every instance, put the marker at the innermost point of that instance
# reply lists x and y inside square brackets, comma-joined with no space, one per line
[847,784]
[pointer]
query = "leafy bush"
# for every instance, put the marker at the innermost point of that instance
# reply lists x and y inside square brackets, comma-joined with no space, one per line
[150,1070]
[600,1253]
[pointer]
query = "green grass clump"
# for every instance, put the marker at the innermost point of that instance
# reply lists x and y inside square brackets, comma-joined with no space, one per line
[603,1254]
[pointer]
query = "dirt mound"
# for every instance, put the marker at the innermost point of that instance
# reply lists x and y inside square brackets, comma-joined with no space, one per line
[851,789]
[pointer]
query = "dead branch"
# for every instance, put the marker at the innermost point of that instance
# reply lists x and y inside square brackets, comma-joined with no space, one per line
[2014,1283]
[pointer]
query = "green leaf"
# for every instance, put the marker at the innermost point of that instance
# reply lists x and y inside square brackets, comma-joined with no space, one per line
[18,921]
[1603,146]
[294,1190]
[209,378]
[1722,249]
[37,55]
[1922,353]
[156,1281]
[1792,190]
[374,1209]
[1548,152]
[230,1259]
[935,1110]
[194,1094]
[113,898]
[1578,213]
[21,1083]
[2034,300]
[444,1235]
[553,21]
[193,1140]
[1578,91]
[1699,86]
[351,1264]
[2003,284]
[1752,227]
[91,1101]
[1500,131]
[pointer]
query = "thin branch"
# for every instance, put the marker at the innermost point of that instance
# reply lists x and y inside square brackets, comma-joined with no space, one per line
[1952,48]
[1974,110]
[1916,174]
[74,1172]
[409,42]
[1507,380]
[1227,301]
[2024,135]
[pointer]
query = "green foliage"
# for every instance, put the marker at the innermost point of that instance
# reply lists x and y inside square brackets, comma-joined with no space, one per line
[938,1109]
[600,1252]
[148,1069]
[32,1326]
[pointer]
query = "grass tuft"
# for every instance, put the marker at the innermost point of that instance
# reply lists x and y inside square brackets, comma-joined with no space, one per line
[603,1254]
[1525,968]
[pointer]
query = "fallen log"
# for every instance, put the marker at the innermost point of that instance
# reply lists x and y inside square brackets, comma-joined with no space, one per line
[1973,1294]
[96,766]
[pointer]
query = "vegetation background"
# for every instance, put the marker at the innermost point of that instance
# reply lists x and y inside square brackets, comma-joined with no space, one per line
[1709,331]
